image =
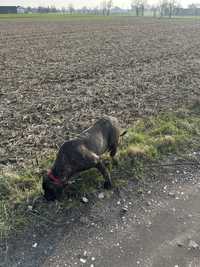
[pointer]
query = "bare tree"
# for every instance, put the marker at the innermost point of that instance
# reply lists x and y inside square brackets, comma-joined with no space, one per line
[63,10]
[109,6]
[142,8]
[154,10]
[193,7]
[106,7]
[96,10]
[163,7]
[167,7]
[103,7]
[71,8]
[84,10]
[172,5]
[138,6]
[135,5]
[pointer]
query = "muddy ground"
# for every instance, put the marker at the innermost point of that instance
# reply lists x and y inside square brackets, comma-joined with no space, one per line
[56,77]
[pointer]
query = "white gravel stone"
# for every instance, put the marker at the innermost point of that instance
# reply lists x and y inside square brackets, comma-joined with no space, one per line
[193,244]
[35,245]
[101,195]
[85,253]
[83,260]
[85,200]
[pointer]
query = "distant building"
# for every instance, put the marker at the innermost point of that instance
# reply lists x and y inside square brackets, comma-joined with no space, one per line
[20,10]
[192,11]
[8,9]
[118,10]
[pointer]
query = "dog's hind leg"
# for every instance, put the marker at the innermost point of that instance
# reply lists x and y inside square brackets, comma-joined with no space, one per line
[101,167]
[92,160]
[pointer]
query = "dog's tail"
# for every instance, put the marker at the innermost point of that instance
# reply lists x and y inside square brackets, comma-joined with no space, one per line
[123,133]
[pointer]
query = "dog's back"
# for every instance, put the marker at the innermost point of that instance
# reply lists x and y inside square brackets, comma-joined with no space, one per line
[102,136]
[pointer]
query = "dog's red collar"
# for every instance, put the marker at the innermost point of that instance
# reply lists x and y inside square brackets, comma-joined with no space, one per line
[55,179]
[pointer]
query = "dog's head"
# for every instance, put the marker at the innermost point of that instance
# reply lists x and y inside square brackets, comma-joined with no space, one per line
[52,191]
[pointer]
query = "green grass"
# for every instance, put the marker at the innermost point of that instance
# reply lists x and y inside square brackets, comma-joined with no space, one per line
[77,16]
[154,137]
[53,16]
[148,140]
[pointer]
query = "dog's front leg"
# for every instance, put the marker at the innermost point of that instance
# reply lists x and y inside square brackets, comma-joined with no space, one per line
[101,167]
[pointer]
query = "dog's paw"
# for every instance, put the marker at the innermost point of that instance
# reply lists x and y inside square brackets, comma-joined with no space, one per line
[107,185]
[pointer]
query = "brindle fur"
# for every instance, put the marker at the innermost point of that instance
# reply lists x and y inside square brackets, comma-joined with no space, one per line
[83,153]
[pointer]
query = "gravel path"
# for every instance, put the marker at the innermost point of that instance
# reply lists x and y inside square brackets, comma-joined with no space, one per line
[159,227]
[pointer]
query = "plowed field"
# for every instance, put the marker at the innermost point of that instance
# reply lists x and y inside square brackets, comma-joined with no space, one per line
[56,77]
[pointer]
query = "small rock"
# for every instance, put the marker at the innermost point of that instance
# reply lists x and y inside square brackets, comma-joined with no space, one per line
[180,244]
[93,258]
[148,203]
[84,219]
[193,244]
[34,245]
[85,253]
[84,200]
[125,209]
[101,195]
[171,194]
[30,207]
[149,223]
[119,202]
[83,260]
[92,265]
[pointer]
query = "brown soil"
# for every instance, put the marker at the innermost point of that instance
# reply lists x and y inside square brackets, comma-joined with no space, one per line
[56,77]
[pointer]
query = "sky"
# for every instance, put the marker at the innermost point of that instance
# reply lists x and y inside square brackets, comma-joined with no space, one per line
[80,3]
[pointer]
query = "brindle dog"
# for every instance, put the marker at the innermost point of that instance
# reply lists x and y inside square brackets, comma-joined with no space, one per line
[83,153]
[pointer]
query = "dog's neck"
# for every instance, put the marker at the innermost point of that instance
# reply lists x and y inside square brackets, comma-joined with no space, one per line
[60,174]
[55,178]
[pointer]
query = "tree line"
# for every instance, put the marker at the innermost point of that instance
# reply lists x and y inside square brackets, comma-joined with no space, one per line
[165,8]
[138,8]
